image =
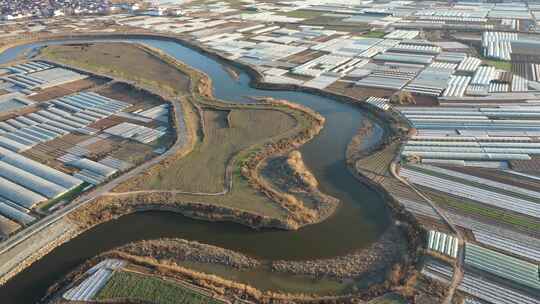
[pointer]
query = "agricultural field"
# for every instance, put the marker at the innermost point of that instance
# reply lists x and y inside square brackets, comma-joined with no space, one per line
[67,89]
[303,14]
[133,286]
[374,34]
[464,206]
[472,195]
[124,92]
[499,64]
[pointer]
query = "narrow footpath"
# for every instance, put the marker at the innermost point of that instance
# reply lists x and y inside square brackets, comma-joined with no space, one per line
[458,269]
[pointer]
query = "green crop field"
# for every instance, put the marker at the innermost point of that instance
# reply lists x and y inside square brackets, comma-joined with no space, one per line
[133,286]
[303,14]
[474,208]
[499,64]
[374,34]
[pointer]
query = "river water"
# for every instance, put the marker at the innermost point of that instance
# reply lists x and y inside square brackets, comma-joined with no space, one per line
[361,219]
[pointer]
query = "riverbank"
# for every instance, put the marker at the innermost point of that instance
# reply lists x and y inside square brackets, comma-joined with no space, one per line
[350,266]
[286,176]
[209,86]
[372,166]
[173,259]
[309,124]
[102,210]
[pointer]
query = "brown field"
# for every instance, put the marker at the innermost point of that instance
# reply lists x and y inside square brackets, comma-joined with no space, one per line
[358,92]
[66,89]
[7,227]
[18,112]
[531,166]
[132,152]
[106,122]
[126,93]
[121,60]
[303,57]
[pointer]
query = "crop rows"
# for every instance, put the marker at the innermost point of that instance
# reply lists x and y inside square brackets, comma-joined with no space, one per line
[418,208]
[494,293]
[492,185]
[522,249]
[438,271]
[127,285]
[480,195]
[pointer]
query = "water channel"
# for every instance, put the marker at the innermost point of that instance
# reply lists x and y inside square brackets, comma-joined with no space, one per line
[360,220]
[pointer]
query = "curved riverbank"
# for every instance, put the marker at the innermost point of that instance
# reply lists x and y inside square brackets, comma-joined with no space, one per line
[366,215]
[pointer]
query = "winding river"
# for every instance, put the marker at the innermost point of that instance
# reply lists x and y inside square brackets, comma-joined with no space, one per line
[361,219]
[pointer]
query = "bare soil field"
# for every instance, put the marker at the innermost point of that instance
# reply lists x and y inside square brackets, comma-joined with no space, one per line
[123,92]
[528,166]
[66,89]
[7,227]
[302,57]
[348,89]
[133,152]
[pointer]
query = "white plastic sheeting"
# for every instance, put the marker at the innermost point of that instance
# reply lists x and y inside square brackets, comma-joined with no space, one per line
[379,102]
[498,44]
[478,194]
[443,243]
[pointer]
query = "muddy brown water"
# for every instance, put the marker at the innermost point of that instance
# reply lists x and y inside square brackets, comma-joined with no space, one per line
[361,219]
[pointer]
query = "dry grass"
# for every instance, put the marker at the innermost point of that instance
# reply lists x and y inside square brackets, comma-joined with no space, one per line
[203,170]
[126,93]
[121,60]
